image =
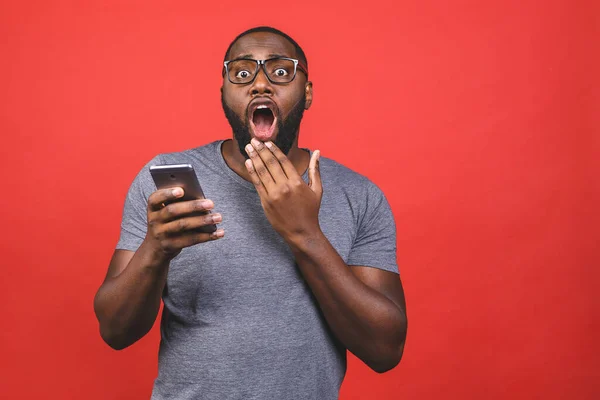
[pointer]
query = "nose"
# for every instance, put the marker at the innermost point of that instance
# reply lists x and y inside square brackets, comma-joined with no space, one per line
[261,84]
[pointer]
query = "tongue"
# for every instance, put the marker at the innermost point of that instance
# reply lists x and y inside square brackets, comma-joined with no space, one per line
[262,121]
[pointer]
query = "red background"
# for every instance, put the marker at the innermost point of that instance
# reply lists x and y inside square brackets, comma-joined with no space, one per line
[479,120]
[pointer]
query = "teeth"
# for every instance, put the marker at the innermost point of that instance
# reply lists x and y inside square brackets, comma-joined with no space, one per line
[261,107]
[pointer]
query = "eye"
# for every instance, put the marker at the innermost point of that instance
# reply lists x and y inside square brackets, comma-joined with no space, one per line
[280,72]
[243,74]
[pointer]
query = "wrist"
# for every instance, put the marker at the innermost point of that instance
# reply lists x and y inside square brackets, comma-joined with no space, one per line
[154,258]
[305,240]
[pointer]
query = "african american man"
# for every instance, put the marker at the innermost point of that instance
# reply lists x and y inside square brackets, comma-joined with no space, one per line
[302,268]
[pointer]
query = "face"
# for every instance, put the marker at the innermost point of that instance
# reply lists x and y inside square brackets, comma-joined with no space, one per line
[262,109]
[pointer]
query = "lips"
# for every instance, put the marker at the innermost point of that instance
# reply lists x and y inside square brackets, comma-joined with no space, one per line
[262,114]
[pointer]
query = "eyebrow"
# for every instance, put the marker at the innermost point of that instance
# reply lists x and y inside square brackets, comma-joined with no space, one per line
[272,55]
[249,55]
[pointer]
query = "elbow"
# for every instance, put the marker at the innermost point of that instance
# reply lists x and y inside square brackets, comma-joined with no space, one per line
[388,362]
[119,337]
[113,341]
[382,368]
[389,357]
[112,337]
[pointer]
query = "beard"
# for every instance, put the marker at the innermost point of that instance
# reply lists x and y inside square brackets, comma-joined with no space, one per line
[287,129]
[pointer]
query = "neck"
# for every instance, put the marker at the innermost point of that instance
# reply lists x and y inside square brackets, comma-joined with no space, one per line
[235,160]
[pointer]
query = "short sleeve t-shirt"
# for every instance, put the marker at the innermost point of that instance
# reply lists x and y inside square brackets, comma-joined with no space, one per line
[239,321]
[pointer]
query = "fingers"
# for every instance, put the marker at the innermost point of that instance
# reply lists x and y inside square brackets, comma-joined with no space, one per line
[314,173]
[269,166]
[195,238]
[192,223]
[179,224]
[177,210]
[175,243]
[173,235]
[272,164]
[259,168]
[255,179]
[157,199]
[286,164]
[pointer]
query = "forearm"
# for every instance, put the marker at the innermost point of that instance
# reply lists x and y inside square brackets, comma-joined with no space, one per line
[127,305]
[368,323]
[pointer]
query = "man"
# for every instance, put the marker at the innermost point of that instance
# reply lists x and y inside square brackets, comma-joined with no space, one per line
[302,267]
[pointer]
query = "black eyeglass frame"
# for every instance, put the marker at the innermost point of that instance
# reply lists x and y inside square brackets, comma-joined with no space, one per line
[259,63]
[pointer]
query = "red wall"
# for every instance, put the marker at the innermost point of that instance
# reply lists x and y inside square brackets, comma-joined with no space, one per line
[478,119]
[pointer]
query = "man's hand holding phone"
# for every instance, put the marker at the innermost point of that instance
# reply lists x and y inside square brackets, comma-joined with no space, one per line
[174,225]
[179,215]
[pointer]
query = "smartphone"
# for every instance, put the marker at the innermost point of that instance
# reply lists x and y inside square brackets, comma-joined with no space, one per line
[183,176]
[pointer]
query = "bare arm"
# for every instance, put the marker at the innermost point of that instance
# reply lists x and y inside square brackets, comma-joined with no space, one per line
[128,301]
[363,306]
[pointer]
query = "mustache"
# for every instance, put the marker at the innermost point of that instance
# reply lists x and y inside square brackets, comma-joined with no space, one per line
[288,125]
[292,108]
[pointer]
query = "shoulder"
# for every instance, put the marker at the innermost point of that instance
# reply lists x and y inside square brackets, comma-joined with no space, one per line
[338,177]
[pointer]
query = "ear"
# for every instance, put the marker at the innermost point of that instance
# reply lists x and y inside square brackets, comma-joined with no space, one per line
[308,91]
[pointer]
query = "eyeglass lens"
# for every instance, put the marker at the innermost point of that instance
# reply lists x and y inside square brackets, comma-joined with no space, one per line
[278,70]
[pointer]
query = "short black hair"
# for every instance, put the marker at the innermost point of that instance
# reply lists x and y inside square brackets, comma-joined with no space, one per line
[299,51]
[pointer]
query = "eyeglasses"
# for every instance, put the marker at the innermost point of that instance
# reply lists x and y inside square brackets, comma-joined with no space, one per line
[278,70]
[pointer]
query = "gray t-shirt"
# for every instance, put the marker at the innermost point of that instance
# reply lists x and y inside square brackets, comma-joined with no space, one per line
[239,321]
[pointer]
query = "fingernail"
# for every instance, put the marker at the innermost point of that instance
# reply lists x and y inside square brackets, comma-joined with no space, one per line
[248,164]
[249,148]
[219,233]
[217,218]
[256,142]
[269,144]
[177,192]
[206,204]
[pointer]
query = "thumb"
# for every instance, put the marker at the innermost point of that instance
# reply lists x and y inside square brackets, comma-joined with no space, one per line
[314,174]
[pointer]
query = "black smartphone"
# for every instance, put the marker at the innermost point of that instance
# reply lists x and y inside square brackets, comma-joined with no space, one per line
[183,176]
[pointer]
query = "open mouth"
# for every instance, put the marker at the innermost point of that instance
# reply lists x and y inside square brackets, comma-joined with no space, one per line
[263,121]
